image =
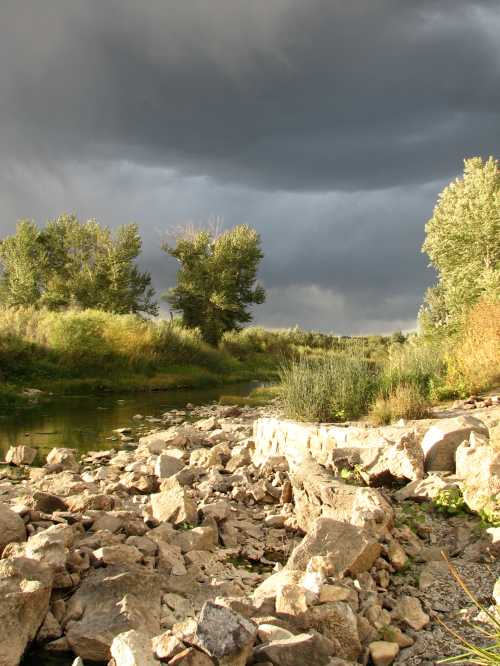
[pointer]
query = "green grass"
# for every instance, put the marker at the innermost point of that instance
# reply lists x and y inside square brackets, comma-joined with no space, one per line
[331,387]
[259,397]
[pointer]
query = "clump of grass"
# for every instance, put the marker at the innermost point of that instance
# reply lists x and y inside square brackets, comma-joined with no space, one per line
[405,401]
[327,388]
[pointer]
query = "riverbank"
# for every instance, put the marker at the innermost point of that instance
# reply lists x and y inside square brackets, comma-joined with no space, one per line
[208,518]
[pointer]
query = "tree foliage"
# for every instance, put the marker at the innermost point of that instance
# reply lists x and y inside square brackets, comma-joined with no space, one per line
[463,243]
[75,264]
[216,281]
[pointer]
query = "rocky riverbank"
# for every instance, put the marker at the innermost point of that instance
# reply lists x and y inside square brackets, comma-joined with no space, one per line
[226,536]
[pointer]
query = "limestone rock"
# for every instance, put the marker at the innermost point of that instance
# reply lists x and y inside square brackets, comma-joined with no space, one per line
[318,494]
[270,632]
[478,464]
[426,489]
[409,610]
[132,648]
[12,527]
[64,459]
[310,648]
[166,646]
[337,622]
[20,455]
[347,548]
[118,554]
[444,437]
[109,602]
[221,632]
[191,657]
[167,465]
[383,653]
[173,504]
[25,588]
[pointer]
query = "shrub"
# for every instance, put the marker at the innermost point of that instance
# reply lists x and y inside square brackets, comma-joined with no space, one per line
[473,363]
[330,387]
[404,402]
[416,363]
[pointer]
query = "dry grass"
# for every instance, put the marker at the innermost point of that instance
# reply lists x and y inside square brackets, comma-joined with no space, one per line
[474,362]
[404,402]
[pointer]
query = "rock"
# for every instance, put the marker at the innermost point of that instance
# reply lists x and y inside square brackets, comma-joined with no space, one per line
[207,424]
[291,600]
[191,657]
[270,632]
[25,588]
[12,527]
[383,653]
[397,555]
[50,546]
[167,646]
[444,437]
[198,538]
[109,602]
[50,629]
[337,622]
[173,504]
[346,548]
[409,609]
[318,494]
[310,648]
[221,632]
[78,662]
[64,459]
[166,466]
[46,502]
[426,489]
[119,554]
[478,464]
[20,455]
[132,648]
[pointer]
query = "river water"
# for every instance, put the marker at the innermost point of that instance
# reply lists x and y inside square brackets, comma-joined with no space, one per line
[86,423]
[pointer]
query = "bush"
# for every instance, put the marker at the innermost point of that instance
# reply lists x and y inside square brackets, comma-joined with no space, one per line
[416,363]
[330,387]
[404,402]
[473,363]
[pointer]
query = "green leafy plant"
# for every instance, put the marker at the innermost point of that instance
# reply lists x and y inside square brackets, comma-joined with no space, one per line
[450,501]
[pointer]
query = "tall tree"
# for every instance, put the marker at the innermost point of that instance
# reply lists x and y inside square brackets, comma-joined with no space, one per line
[463,243]
[216,281]
[76,265]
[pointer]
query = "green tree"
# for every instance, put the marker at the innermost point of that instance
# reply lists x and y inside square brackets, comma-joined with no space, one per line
[76,264]
[216,281]
[24,262]
[463,243]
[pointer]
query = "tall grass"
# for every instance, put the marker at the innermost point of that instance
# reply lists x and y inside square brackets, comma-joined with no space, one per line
[331,387]
[89,342]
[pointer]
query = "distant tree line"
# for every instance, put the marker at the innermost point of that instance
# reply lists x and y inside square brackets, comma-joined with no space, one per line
[73,264]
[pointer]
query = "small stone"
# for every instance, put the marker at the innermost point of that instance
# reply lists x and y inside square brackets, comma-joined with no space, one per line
[409,610]
[383,653]
[132,648]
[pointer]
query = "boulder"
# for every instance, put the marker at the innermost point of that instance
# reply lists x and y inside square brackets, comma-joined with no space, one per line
[478,464]
[444,437]
[199,538]
[337,622]
[64,459]
[12,527]
[426,489]
[223,633]
[119,554]
[409,609]
[50,546]
[20,455]
[310,648]
[318,494]
[132,649]
[25,588]
[173,504]
[191,657]
[109,602]
[346,548]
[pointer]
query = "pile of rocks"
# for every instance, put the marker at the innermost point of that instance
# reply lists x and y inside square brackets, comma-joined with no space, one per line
[227,536]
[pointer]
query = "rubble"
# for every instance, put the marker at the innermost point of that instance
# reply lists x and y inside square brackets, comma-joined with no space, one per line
[228,537]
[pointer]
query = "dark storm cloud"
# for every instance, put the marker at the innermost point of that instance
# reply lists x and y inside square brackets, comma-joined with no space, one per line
[277,94]
[328,125]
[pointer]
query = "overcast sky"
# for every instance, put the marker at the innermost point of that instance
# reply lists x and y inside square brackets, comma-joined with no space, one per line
[329,125]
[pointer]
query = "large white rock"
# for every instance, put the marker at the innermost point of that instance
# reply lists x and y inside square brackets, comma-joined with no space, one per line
[444,437]
[25,588]
[20,455]
[132,649]
[173,504]
[478,464]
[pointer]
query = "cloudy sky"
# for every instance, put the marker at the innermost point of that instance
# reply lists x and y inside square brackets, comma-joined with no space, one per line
[330,126]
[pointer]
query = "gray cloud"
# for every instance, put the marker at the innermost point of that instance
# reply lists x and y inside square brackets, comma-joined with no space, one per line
[329,126]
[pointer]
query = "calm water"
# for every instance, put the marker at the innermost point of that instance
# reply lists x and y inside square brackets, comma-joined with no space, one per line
[85,423]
